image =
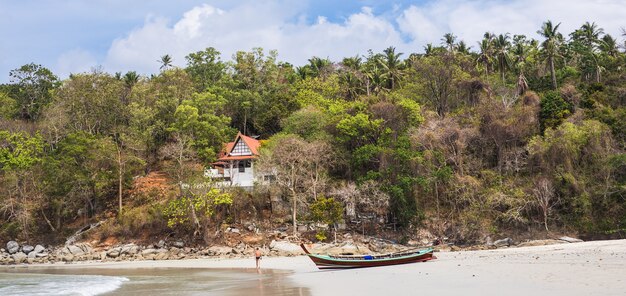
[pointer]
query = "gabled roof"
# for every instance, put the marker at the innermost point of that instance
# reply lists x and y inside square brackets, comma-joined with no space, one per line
[252,143]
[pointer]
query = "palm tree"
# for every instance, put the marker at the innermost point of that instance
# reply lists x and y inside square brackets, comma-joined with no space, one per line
[520,52]
[485,55]
[608,45]
[166,62]
[501,47]
[318,66]
[550,46]
[589,34]
[130,79]
[462,48]
[449,39]
[352,76]
[391,65]
[429,49]
[353,63]
[486,51]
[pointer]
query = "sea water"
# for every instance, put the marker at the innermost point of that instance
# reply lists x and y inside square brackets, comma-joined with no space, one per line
[145,281]
[53,284]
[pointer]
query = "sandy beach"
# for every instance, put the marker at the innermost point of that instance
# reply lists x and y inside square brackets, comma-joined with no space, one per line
[588,268]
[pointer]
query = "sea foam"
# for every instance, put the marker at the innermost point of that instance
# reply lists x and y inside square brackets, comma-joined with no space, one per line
[46,284]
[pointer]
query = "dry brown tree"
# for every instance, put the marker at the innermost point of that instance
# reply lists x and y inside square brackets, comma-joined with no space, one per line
[545,198]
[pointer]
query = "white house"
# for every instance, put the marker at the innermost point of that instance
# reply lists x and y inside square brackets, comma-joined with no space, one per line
[235,164]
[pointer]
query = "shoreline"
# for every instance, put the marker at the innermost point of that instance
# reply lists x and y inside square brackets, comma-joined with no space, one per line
[586,268]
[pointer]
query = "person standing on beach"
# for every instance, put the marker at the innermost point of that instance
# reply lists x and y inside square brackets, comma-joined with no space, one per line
[257,256]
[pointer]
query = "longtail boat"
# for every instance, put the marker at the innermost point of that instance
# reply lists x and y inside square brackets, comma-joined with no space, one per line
[357,261]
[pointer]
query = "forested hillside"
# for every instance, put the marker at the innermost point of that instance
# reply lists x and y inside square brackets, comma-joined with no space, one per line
[461,139]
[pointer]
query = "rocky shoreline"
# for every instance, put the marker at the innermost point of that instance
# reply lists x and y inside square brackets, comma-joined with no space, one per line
[16,253]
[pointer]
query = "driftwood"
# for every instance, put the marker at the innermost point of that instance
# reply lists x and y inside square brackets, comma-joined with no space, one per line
[72,239]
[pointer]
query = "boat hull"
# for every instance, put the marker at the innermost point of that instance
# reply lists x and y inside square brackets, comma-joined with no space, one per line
[330,262]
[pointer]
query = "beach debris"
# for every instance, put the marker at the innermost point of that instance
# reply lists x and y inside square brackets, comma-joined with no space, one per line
[179,244]
[542,242]
[570,239]
[72,239]
[506,242]
[77,249]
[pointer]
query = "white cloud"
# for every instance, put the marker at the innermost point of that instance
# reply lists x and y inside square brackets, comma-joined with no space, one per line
[281,25]
[75,61]
[469,20]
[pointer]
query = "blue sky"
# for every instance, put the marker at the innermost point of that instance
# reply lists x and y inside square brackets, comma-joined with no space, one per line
[70,36]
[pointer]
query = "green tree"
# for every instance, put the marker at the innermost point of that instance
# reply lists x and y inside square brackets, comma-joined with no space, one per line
[449,40]
[554,109]
[195,209]
[32,89]
[391,66]
[328,211]
[485,56]
[166,62]
[8,106]
[92,103]
[20,195]
[550,46]
[501,46]
[205,68]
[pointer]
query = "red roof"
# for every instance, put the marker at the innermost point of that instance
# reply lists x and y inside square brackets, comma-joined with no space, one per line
[252,143]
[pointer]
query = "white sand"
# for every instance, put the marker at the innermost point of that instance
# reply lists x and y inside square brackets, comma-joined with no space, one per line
[589,268]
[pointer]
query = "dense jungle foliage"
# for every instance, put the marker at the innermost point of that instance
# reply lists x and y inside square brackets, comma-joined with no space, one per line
[509,133]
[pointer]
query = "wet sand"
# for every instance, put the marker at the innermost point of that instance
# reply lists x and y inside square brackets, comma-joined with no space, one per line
[589,268]
[64,280]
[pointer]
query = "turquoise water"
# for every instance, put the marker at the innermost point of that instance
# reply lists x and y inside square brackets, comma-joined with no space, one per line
[147,281]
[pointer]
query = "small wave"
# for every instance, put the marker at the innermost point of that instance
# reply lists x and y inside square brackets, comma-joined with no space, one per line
[40,284]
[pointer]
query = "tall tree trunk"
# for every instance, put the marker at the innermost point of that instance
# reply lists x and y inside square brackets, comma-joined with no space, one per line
[120,175]
[293,212]
[552,73]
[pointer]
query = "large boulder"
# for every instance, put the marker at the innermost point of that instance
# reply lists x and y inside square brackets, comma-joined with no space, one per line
[13,247]
[149,251]
[220,250]
[38,249]
[74,250]
[115,252]
[161,244]
[19,257]
[26,249]
[130,249]
[285,248]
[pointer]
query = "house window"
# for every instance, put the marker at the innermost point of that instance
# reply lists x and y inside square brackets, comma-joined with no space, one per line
[242,166]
